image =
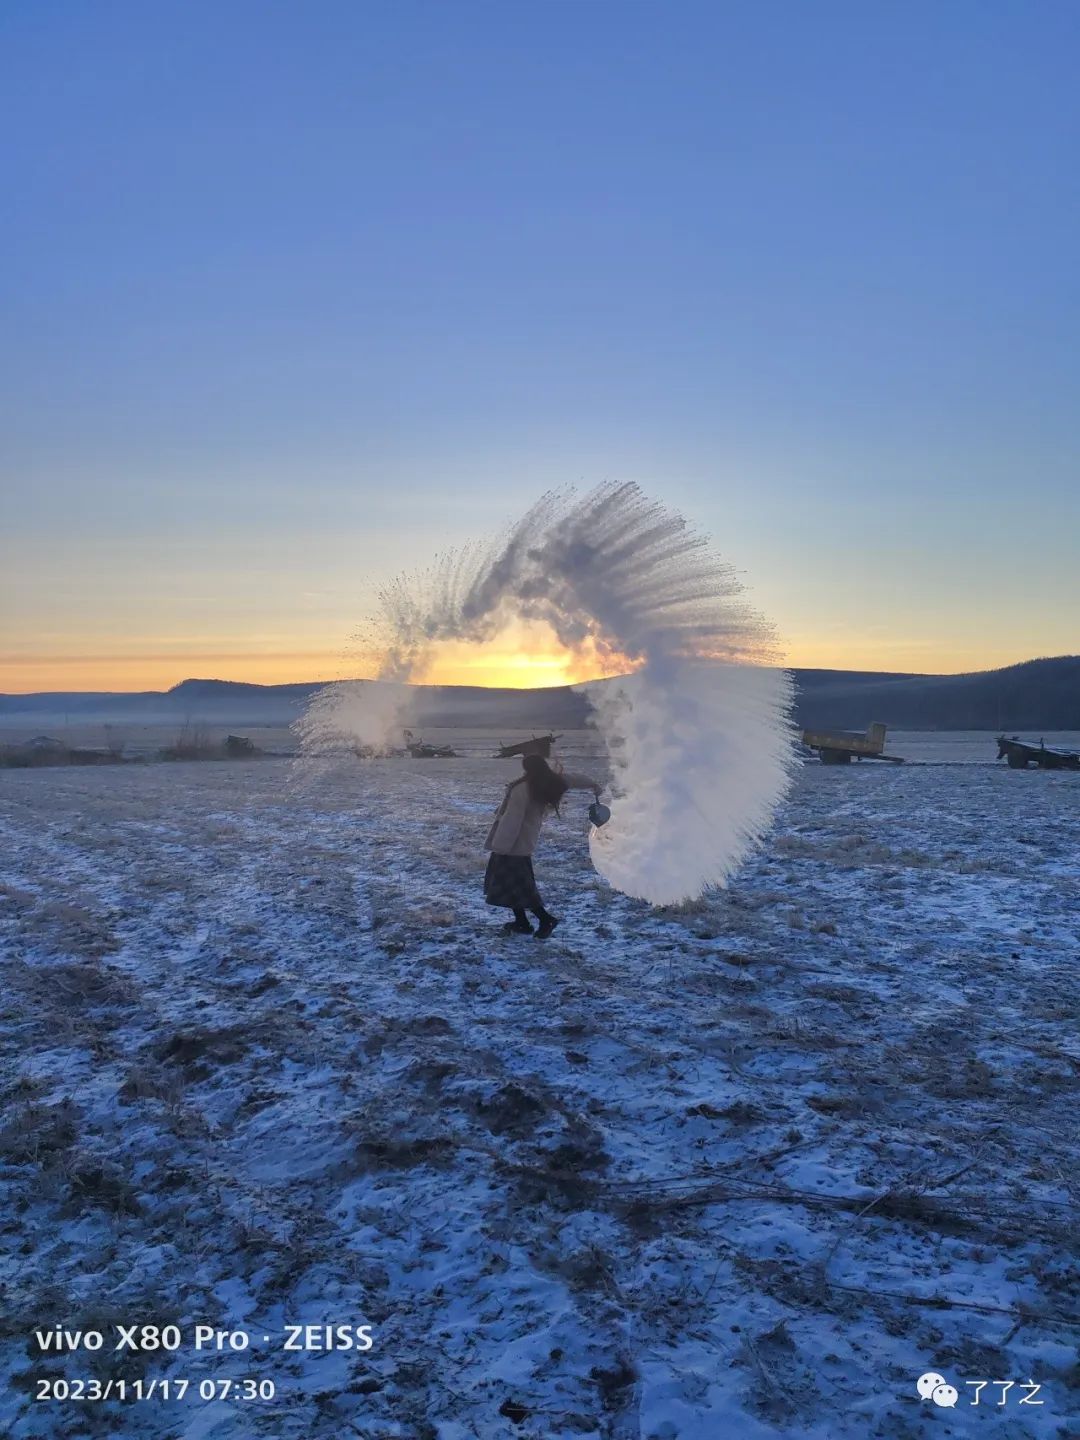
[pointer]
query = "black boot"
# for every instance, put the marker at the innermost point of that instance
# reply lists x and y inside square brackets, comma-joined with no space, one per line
[519,925]
[547,924]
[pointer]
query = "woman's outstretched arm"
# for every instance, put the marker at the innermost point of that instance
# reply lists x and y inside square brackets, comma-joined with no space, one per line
[581,782]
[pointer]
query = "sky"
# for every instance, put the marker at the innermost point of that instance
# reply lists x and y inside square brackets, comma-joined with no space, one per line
[296,296]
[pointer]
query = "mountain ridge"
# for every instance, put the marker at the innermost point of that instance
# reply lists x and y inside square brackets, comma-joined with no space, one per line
[1036,694]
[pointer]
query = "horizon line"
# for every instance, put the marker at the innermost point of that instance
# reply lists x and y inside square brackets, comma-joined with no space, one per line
[285,684]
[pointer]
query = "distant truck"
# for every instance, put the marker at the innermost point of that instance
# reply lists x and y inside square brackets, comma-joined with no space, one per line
[840,747]
[421,750]
[1021,753]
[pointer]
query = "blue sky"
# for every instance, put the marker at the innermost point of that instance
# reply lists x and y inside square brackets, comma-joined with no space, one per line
[296,295]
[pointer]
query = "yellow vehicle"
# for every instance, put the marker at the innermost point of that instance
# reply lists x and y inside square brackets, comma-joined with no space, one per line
[840,747]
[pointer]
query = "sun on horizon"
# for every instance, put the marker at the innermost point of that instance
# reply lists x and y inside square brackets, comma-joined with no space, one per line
[524,655]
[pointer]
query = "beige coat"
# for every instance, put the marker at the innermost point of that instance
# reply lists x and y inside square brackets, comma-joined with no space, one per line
[516,827]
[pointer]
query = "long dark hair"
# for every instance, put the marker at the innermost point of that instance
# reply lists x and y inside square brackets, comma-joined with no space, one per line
[546,787]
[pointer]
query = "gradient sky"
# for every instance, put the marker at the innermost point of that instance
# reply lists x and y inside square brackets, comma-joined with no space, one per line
[295,295]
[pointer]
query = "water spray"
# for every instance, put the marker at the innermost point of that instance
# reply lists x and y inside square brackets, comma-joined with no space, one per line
[698,730]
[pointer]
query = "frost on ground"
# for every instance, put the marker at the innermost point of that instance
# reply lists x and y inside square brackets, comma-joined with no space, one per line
[742,1168]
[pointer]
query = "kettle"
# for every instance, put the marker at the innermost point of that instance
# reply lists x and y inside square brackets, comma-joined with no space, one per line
[599,814]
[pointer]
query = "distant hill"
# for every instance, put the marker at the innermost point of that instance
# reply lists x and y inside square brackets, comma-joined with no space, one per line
[1039,695]
[230,702]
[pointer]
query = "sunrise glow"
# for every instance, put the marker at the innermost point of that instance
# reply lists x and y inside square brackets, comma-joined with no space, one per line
[521,657]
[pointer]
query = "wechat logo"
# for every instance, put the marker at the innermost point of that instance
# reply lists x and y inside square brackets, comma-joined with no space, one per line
[935,1387]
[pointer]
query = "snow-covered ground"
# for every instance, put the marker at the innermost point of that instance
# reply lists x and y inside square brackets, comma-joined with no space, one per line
[744,1168]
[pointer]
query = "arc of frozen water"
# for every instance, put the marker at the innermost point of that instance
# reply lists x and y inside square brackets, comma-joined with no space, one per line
[699,734]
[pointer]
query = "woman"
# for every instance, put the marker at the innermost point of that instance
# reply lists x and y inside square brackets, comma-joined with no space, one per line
[512,838]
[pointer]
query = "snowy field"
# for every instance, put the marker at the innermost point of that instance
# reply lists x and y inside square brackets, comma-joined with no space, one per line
[746,1168]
